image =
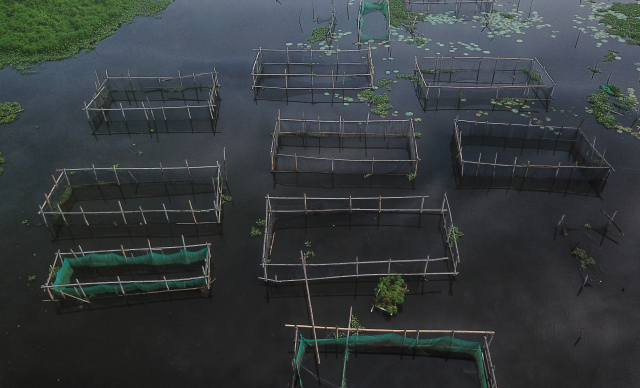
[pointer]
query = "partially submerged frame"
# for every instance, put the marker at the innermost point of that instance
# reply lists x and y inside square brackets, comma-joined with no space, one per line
[408,339]
[69,180]
[344,129]
[590,165]
[308,70]
[460,82]
[166,98]
[358,269]
[481,6]
[169,285]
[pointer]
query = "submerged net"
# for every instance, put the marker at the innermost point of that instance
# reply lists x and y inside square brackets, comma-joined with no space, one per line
[442,346]
[63,278]
[368,8]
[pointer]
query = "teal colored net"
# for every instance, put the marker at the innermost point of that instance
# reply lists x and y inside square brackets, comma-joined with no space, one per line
[368,8]
[442,345]
[184,257]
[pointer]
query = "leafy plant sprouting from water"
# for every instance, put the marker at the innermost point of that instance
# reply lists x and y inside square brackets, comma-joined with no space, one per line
[534,75]
[255,232]
[389,293]
[307,255]
[586,261]
[400,16]
[32,278]
[355,325]
[410,77]
[261,223]
[307,244]
[315,134]
[600,108]
[454,235]
[54,272]
[2,161]
[64,197]
[507,15]
[384,82]
[610,56]
[595,70]
[226,198]
[367,176]
[411,176]
[318,34]
[9,111]
[421,41]
[587,226]
[417,135]
[366,95]
[381,101]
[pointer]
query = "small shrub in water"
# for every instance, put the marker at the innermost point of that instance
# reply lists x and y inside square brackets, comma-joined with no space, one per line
[255,232]
[9,111]
[390,293]
[454,234]
[318,34]
[586,261]
[261,223]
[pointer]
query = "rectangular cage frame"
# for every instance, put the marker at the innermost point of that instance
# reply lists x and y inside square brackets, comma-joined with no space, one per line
[332,25]
[486,337]
[283,57]
[568,139]
[346,129]
[445,216]
[482,6]
[539,90]
[360,15]
[121,177]
[159,85]
[118,284]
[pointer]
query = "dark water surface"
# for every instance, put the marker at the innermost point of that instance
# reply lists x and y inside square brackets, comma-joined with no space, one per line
[515,278]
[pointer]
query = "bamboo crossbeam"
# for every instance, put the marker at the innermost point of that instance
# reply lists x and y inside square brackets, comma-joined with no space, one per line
[351,198]
[358,262]
[135,249]
[117,282]
[313,325]
[421,274]
[356,209]
[397,330]
[344,121]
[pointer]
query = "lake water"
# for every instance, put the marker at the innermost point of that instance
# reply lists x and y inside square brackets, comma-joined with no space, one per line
[516,277]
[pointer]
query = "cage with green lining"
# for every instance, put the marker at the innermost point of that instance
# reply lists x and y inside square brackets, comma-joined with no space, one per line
[119,272]
[389,343]
[367,8]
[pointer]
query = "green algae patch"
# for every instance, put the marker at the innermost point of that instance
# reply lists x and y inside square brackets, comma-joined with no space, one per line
[33,31]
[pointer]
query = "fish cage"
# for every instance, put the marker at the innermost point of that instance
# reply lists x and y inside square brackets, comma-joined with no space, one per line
[460,8]
[298,270]
[128,99]
[331,25]
[454,83]
[83,275]
[506,146]
[367,8]
[105,189]
[350,356]
[324,74]
[373,147]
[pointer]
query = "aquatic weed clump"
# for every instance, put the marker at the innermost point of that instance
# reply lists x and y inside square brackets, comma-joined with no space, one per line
[390,293]
[400,16]
[318,34]
[35,31]
[623,20]
[381,101]
[601,107]
[586,261]
[9,112]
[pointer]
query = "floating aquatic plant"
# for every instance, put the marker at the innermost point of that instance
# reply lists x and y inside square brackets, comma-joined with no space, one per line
[586,261]
[623,20]
[534,75]
[610,56]
[9,112]
[319,34]
[390,293]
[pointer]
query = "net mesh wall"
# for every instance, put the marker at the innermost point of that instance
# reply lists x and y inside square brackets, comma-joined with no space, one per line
[64,284]
[586,163]
[387,147]
[437,346]
[368,8]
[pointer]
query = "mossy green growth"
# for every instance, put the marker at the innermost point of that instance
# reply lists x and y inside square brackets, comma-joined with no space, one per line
[454,234]
[534,75]
[595,70]
[318,34]
[389,293]
[610,56]
[9,111]
[623,20]
[33,31]
[586,261]
[400,16]
[410,77]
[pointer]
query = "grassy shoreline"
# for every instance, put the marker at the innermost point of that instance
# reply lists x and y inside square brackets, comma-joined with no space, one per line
[33,31]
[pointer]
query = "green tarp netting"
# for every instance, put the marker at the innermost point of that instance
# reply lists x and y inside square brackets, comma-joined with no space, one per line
[63,276]
[369,8]
[444,345]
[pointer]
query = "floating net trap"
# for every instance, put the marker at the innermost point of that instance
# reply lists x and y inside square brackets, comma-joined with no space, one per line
[413,207]
[127,99]
[119,272]
[373,147]
[338,354]
[504,147]
[367,8]
[467,82]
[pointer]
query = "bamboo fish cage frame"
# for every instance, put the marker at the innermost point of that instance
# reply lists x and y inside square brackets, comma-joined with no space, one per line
[590,165]
[309,70]
[118,284]
[196,92]
[341,129]
[459,6]
[454,80]
[52,211]
[356,268]
[483,337]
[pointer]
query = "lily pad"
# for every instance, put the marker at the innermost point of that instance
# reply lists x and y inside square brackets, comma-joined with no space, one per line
[409,113]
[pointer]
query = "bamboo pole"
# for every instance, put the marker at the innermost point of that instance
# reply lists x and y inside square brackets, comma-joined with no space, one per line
[313,325]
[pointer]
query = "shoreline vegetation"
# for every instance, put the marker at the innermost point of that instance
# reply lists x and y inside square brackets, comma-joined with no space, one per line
[33,31]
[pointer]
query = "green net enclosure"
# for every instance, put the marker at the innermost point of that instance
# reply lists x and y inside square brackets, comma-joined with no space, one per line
[375,147]
[527,156]
[392,357]
[437,255]
[455,83]
[85,275]
[123,103]
[367,8]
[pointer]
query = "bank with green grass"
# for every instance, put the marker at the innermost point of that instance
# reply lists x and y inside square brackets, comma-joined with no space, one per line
[33,31]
